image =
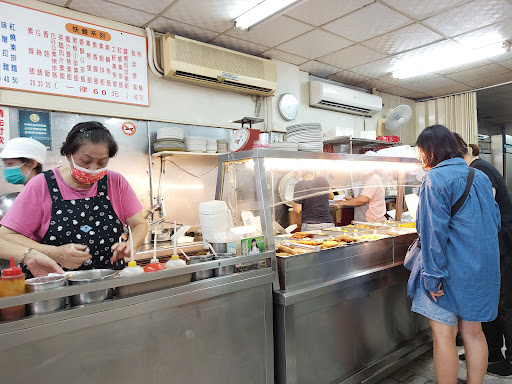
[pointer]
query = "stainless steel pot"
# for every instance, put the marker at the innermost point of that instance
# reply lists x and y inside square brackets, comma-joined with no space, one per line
[85,277]
[226,270]
[219,247]
[45,283]
[200,275]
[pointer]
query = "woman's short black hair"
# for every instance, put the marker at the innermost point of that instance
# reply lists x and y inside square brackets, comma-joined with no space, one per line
[437,143]
[92,131]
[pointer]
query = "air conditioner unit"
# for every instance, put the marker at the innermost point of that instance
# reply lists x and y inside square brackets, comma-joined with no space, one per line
[208,65]
[341,99]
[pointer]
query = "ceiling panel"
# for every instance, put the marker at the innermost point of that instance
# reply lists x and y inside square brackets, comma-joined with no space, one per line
[315,44]
[372,83]
[164,25]
[398,91]
[319,12]
[484,36]
[403,82]
[506,63]
[319,69]
[215,15]
[427,85]
[153,6]
[371,21]
[112,11]
[492,80]
[238,45]
[285,56]
[416,95]
[406,38]
[445,91]
[57,2]
[470,16]
[351,57]
[421,9]
[477,73]
[348,77]
[465,67]
[273,32]
[377,68]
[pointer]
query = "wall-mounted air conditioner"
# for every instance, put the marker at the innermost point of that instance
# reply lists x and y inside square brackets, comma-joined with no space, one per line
[208,65]
[341,99]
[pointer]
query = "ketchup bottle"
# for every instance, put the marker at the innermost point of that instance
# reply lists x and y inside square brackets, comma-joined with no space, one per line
[12,283]
[154,265]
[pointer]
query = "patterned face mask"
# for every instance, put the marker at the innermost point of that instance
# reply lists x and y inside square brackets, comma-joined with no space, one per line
[86,176]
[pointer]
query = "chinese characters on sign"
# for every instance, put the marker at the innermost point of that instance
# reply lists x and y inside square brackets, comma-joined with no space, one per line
[35,125]
[45,53]
[4,126]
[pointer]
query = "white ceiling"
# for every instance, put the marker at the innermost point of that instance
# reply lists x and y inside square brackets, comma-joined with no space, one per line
[356,42]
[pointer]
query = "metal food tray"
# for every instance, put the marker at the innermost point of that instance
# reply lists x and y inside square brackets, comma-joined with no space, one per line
[153,285]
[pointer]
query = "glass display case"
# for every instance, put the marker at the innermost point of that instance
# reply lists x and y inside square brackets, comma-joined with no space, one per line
[346,299]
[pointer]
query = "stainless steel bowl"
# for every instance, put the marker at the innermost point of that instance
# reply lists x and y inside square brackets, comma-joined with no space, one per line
[200,275]
[45,283]
[85,277]
[220,247]
[226,270]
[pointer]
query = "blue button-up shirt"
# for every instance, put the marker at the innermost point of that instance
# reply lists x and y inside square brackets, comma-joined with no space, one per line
[461,252]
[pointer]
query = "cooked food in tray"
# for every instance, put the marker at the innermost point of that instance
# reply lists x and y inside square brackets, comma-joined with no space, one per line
[408,225]
[361,226]
[372,237]
[302,235]
[347,239]
[308,242]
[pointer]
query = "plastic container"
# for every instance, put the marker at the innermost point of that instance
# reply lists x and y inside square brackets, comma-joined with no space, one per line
[131,270]
[175,262]
[154,265]
[215,219]
[12,283]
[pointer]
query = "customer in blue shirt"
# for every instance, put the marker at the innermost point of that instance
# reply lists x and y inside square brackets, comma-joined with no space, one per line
[456,281]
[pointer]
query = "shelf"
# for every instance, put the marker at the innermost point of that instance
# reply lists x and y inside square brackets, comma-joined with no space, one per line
[179,153]
[359,142]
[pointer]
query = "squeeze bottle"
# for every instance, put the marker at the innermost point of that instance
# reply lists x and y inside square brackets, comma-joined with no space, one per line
[154,265]
[12,283]
[131,270]
[175,262]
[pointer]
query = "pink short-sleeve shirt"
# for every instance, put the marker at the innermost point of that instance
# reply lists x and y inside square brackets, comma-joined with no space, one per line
[31,212]
[374,190]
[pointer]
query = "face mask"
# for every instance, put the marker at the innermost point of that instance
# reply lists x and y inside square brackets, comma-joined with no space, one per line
[13,175]
[85,176]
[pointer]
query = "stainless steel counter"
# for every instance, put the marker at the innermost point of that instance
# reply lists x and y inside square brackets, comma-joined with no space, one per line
[217,330]
[342,315]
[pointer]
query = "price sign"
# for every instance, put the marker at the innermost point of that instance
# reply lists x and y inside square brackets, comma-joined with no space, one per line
[46,53]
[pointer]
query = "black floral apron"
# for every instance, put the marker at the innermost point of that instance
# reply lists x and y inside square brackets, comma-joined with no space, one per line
[91,221]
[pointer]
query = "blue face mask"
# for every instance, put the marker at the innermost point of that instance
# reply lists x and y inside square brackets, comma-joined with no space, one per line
[13,175]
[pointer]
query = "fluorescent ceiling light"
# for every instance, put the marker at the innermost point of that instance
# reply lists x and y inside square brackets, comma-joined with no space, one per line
[262,11]
[447,58]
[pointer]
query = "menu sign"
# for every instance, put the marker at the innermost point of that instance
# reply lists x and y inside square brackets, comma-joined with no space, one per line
[4,126]
[46,53]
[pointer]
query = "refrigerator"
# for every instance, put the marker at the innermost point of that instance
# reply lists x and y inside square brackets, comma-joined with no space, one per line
[501,157]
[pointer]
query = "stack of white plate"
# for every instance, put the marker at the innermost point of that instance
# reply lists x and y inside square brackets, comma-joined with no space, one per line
[222,146]
[309,136]
[172,133]
[285,146]
[195,144]
[211,145]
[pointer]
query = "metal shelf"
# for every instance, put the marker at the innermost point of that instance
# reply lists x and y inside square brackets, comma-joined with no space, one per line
[185,154]
[358,142]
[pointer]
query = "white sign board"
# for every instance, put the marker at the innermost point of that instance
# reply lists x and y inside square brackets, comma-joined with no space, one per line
[4,126]
[46,53]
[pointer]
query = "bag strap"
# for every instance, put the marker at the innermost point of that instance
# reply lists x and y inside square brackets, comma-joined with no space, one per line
[458,204]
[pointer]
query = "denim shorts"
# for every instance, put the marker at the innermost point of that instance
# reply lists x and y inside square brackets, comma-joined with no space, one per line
[423,304]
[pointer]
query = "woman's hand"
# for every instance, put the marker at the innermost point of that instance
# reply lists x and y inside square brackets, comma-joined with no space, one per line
[121,250]
[71,256]
[40,264]
[437,294]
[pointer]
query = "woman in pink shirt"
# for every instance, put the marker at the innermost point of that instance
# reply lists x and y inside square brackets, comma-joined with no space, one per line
[75,213]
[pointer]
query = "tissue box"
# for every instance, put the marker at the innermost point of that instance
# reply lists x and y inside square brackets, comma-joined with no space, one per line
[339,131]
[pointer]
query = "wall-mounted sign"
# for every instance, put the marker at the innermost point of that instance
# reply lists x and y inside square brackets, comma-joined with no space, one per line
[36,125]
[128,128]
[46,53]
[4,126]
